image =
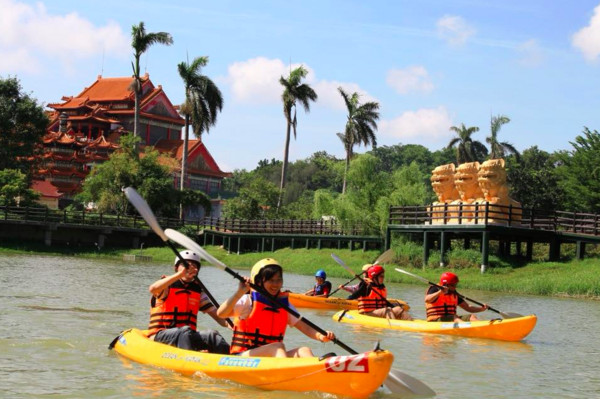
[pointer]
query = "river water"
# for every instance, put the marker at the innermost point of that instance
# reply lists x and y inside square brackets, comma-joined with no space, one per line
[60,314]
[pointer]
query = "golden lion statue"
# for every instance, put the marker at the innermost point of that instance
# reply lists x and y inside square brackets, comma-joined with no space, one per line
[442,182]
[492,181]
[465,180]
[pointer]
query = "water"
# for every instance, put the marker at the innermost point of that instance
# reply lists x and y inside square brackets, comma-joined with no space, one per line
[60,313]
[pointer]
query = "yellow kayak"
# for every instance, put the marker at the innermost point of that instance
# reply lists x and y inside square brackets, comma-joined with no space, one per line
[502,329]
[321,302]
[355,376]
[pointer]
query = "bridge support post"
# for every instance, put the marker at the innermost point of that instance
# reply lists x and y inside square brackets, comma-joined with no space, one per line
[554,250]
[529,250]
[135,242]
[101,239]
[48,238]
[485,250]
[426,247]
[467,243]
[443,247]
[580,250]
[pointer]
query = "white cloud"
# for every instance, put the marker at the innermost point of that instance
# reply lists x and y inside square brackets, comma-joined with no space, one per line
[587,39]
[33,34]
[531,53]
[454,30]
[257,81]
[427,124]
[410,79]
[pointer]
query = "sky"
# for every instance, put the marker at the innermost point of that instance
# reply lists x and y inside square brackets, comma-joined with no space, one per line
[430,64]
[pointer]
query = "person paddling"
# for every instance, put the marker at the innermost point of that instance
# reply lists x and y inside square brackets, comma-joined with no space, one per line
[441,304]
[322,286]
[176,300]
[372,297]
[259,327]
[353,289]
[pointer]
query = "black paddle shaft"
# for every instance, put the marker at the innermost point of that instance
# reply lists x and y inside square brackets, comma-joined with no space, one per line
[343,285]
[278,304]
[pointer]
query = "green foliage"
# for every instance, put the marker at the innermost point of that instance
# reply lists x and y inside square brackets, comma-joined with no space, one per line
[257,199]
[14,189]
[22,125]
[579,173]
[467,149]
[103,187]
[534,180]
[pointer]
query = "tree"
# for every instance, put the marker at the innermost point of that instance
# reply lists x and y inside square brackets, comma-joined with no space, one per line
[534,180]
[467,149]
[14,188]
[22,125]
[141,42]
[294,92]
[150,174]
[576,172]
[256,200]
[499,149]
[360,128]
[203,100]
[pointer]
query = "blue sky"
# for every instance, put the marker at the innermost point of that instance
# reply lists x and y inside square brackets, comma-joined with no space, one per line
[431,64]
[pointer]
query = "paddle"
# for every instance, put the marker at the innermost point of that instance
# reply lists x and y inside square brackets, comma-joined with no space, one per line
[144,210]
[383,258]
[343,264]
[505,315]
[397,381]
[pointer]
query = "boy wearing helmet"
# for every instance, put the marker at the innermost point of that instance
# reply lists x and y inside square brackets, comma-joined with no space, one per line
[372,297]
[441,304]
[259,327]
[176,300]
[322,286]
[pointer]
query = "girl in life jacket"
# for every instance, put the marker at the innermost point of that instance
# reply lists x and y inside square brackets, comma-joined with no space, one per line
[372,297]
[259,325]
[441,302]
[322,286]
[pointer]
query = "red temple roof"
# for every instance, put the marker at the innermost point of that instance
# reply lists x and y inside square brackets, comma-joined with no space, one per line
[45,188]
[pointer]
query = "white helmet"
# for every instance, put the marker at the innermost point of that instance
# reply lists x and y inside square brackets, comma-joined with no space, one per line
[187,255]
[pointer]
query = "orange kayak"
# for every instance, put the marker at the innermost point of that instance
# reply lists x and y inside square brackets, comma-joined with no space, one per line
[321,302]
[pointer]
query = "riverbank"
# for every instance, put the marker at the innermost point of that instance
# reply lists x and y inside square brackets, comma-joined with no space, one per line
[577,279]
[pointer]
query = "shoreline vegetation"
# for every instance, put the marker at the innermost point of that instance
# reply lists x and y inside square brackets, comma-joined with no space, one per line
[569,278]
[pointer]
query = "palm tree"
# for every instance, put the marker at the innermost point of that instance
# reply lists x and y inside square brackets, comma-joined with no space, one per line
[141,42]
[294,91]
[360,126]
[467,149]
[499,149]
[203,100]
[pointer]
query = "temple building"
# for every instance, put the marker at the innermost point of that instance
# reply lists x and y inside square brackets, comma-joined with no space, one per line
[85,129]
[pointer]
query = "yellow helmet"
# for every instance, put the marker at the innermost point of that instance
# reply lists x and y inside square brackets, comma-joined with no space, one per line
[258,266]
[366,267]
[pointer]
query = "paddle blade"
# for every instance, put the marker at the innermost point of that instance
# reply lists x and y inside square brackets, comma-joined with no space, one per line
[413,275]
[385,257]
[405,385]
[144,209]
[341,263]
[192,245]
[510,315]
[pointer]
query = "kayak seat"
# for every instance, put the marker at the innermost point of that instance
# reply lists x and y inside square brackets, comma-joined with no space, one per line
[325,356]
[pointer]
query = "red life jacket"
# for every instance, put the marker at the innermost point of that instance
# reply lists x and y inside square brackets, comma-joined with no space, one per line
[264,325]
[372,300]
[444,305]
[178,309]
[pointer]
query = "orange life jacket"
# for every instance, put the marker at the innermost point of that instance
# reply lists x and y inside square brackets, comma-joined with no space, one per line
[372,300]
[178,309]
[264,325]
[444,305]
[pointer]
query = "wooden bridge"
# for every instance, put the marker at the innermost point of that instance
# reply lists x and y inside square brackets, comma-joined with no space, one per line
[484,223]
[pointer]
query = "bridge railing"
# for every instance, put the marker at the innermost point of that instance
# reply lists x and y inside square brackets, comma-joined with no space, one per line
[493,214]
[83,217]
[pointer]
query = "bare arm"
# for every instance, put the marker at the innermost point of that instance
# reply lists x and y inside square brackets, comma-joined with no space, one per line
[213,313]
[226,308]
[473,309]
[430,298]
[159,286]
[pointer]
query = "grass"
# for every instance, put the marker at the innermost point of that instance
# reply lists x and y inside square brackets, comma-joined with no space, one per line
[568,278]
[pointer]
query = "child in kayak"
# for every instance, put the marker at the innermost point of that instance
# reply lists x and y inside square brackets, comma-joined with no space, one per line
[352,289]
[322,286]
[372,297]
[441,304]
[176,300]
[259,326]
